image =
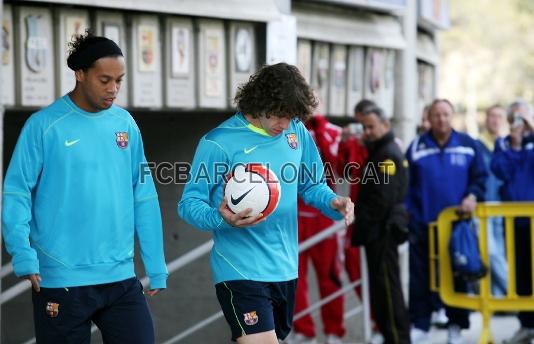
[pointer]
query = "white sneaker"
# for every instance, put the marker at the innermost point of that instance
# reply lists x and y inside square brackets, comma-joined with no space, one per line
[439,318]
[376,338]
[418,336]
[299,338]
[522,336]
[454,335]
[333,339]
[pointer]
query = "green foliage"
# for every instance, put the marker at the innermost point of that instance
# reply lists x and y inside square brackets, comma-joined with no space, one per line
[488,54]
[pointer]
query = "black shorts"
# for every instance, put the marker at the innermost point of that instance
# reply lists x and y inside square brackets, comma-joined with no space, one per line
[253,307]
[119,310]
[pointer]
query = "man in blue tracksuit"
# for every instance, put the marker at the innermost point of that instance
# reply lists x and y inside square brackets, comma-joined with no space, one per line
[73,201]
[513,163]
[446,169]
[254,260]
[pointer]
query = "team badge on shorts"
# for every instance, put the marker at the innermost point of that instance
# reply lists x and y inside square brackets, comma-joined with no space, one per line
[122,139]
[52,309]
[292,140]
[251,318]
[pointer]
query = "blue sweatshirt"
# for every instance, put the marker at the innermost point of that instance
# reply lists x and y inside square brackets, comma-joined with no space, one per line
[515,168]
[73,200]
[441,177]
[266,252]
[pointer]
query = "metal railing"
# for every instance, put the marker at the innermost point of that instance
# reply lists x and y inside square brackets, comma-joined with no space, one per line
[484,301]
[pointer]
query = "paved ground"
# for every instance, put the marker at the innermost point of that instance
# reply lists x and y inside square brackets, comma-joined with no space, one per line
[501,328]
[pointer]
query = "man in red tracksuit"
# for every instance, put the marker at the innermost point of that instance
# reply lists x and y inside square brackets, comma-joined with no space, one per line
[324,255]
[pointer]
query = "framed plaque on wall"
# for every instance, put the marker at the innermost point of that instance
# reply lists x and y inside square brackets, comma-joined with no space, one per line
[145,62]
[380,78]
[338,80]
[35,48]
[321,74]
[179,63]
[72,23]
[8,65]
[304,58]
[242,42]
[355,77]
[212,68]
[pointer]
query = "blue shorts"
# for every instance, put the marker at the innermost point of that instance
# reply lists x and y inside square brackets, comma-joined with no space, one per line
[253,307]
[119,310]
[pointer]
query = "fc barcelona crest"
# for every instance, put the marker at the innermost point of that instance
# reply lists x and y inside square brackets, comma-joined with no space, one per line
[122,139]
[292,140]
[251,318]
[36,46]
[52,309]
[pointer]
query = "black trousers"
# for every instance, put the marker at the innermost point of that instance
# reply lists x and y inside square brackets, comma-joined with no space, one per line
[387,300]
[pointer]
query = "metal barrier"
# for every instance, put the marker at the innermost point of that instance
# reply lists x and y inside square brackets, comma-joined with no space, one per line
[484,302]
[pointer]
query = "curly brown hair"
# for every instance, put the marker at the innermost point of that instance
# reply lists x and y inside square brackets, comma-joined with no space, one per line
[276,90]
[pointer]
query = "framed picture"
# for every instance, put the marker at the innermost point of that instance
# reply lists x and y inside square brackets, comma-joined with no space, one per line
[37,70]
[8,63]
[74,26]
[146,36]
[304,59]
[36,45]
[112,31]
[7,40]
[243,50]
[180,50]
[377,70]
[213,62]
[357,69]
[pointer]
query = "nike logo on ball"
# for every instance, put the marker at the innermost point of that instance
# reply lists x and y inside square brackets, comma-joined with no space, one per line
[235,201]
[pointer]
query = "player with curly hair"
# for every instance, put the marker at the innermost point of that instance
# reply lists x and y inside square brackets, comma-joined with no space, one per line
[254,259]
[73,203]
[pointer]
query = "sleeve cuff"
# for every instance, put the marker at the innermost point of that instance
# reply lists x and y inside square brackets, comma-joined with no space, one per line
[331,212]
[158,281]
[26,267]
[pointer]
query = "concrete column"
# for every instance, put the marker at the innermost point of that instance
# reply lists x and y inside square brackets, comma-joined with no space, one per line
[406,81]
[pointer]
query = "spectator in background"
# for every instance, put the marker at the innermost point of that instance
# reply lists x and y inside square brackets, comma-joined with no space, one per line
[513,163]
[325,254]
[381,222]
[437,159]
[439,316]
[424,126]
[494,128]
[351,159]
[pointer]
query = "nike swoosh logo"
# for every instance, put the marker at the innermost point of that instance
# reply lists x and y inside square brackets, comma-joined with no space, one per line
[70,143]
[249,150]
[235,201]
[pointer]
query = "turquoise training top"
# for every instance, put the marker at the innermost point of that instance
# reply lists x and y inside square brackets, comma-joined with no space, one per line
[268,251]
[73,200]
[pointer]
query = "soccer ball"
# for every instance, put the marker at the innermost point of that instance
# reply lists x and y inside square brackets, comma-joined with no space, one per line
[252,186]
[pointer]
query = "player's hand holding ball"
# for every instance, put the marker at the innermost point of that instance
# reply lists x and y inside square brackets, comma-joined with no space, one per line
[251,193]
[241,219]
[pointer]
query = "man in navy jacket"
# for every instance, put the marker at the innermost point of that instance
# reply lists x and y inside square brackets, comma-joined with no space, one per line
[513,163]
[446,169]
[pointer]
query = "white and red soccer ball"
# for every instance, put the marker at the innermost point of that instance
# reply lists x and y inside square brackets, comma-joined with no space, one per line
[252,186]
